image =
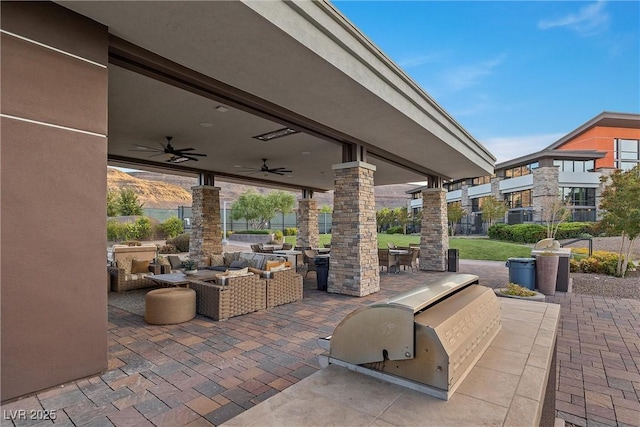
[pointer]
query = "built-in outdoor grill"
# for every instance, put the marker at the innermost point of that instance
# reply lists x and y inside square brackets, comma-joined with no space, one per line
[427,339]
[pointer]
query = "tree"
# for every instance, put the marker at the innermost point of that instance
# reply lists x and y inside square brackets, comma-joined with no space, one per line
[172,227]
[621,203]
[258,209]
[384,217]
[454,214]
[112,203]
[402,217]
[128,203]
[554,212]
[492,209]
[326,209]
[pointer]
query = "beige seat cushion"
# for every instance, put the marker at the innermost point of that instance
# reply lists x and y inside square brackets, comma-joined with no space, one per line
[168,306]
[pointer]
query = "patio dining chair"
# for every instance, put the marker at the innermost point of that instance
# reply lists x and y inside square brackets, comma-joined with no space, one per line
[385,259]
[409,260]
[309,261]
[392,246]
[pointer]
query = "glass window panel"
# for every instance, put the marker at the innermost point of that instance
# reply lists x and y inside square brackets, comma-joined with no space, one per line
[534,165]
[567,166]
[508,173]
[589,165]
[627,165]
[628,155]
[628,145]
[558,163]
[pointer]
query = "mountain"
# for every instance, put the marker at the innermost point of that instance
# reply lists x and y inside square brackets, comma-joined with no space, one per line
[164,191]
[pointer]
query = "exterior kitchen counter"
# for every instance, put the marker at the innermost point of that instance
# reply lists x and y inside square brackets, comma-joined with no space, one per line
[512,384]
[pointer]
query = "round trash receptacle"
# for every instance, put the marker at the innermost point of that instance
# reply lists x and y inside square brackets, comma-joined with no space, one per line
[522,271]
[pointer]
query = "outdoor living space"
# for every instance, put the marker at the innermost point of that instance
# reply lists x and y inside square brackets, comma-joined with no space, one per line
[204,372]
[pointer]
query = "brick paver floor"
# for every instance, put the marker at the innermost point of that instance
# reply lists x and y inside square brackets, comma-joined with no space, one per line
[203,373]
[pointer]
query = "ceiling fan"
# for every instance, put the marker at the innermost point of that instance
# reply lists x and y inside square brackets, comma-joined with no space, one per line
[178,155]
[266,169]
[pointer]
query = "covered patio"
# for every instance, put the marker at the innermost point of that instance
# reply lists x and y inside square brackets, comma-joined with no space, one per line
[87,84]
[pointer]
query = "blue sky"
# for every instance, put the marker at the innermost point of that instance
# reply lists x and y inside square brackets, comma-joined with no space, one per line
[518,75]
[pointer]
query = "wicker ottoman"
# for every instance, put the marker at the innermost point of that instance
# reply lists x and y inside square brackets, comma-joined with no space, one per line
[170,305]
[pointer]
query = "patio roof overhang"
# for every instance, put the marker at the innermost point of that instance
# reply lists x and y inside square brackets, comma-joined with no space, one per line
[270,65]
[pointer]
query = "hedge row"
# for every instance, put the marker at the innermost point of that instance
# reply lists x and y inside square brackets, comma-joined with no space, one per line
[532,233]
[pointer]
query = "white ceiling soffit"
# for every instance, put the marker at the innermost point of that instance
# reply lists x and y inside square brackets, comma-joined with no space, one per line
[302,56]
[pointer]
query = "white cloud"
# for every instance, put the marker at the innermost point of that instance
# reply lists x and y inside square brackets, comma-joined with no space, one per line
[507,148]
[589,20]
[470,75]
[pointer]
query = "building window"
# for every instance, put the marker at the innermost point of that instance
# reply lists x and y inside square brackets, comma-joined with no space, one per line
[575,165]
[521,170]
[518,199]
[578,196]
[481,180]
[452,186]
[476,204]
[627,152]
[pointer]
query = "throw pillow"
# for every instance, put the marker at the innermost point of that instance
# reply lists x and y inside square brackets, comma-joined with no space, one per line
[236,273]
[139,266]
[271,264]
[163,260]
[280,267]
[216,259]
[238,264]
[175,262]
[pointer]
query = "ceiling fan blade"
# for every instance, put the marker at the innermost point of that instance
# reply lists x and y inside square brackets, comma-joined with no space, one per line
[145,148]
[179,152]
[184,149]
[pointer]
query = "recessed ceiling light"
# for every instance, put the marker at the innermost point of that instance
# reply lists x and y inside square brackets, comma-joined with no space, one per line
[222,109]
[276,134]
[206,124]
[306,153]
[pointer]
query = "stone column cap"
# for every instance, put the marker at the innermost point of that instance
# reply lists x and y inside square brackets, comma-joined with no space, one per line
[205,187]
[433,190]
[349,165]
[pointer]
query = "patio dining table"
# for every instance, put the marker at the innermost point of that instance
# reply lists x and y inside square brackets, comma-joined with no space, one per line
[396,255]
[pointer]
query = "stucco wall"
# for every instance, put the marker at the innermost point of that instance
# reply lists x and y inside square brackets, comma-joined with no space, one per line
[600,138]
[53,175]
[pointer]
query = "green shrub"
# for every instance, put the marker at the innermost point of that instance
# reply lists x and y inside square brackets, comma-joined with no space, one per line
[500,232]
[172,227]
[574,230]
[116,231]
[291,231]
[527,233]
[181,242]
[277,235]
[395,230]
[600,262]
[142,228]
[253,232]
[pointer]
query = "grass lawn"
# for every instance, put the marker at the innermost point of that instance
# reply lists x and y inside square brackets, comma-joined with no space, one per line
[483,249]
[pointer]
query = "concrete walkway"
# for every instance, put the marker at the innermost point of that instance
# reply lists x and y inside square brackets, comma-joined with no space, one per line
[203,373]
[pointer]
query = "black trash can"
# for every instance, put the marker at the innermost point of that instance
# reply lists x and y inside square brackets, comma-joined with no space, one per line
[453,257]
[322,271]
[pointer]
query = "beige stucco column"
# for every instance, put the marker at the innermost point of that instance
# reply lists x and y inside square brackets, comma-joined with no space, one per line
[53,175]
[434,240]
[206,235]
[353,268]
[307,223]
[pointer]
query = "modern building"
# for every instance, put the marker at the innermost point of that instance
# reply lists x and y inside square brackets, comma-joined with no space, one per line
[87,84]
[569,168]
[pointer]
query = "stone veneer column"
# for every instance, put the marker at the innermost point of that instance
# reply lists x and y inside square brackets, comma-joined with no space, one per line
[206,237]
[353,266]
[545,189]
[434,240]
[307,224]
[603,172]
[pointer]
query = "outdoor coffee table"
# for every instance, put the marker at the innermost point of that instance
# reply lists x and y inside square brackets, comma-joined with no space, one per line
[181,279]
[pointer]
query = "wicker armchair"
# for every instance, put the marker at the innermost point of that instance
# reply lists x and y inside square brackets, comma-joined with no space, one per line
[283,287]
[239,295]
[121,281]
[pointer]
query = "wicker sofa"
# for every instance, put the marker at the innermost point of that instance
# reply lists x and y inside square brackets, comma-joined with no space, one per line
[232,297]
[131,267]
